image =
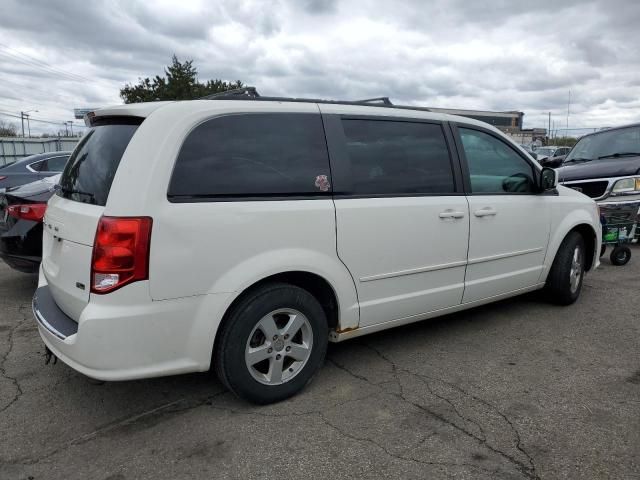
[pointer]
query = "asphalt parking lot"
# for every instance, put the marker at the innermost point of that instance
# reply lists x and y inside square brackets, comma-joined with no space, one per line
[518,389]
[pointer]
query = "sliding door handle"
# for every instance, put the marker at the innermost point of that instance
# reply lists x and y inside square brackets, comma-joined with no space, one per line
[485,212]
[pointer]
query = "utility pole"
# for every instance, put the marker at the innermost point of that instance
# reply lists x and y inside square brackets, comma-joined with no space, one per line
[549,131]
[568,108]
[66,132]
[24,115]
[71,126]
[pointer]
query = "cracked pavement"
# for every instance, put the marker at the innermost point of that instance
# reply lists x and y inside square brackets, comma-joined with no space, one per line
[515,390]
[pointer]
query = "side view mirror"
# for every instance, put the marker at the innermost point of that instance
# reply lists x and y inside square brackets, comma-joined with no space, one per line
[548,179]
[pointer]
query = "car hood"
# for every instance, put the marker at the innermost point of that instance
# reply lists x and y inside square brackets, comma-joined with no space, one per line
[609,167]
[33,189]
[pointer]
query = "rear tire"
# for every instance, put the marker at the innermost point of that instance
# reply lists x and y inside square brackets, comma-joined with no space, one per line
[603,249]
[272,343]
[620,255]
[566,276]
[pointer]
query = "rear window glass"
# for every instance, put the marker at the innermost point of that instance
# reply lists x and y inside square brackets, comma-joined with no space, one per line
[253,155]
[89,172]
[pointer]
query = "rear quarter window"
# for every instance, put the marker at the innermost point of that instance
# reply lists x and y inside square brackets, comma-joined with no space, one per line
[89,171]
[252,155]
[56,164]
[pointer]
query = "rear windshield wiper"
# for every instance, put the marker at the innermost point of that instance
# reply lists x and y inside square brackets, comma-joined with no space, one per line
[621,154]
[69,191]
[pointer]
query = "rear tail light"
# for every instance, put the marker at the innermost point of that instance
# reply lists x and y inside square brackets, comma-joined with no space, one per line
[28,211]
[120,252]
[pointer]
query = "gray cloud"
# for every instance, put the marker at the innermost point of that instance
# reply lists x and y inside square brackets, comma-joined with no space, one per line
[502,55]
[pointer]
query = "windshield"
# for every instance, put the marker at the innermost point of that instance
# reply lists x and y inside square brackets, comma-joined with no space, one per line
[90,170]
[608,144]
[545,151]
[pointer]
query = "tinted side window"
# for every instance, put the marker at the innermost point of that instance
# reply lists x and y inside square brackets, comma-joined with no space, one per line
[393,157]
[253,155]
[55,164]
[40,166]
[494,167]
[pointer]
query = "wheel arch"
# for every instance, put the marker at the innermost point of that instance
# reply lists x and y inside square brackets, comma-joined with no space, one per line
[584,226]
[315,284]
[590,239]
[319,286]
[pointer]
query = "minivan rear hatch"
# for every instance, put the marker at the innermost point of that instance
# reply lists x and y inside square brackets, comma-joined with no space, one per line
[73,213]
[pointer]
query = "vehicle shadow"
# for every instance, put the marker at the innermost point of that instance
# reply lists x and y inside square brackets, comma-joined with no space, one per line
[199,388]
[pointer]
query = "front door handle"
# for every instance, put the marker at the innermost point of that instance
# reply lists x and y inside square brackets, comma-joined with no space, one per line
[451,214]
[485,212]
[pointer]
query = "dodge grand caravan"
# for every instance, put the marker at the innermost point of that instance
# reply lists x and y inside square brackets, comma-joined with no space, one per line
[243,235]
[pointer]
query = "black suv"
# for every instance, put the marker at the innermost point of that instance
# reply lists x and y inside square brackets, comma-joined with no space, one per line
[606,166]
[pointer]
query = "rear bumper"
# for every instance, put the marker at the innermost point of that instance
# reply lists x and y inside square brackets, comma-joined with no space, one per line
[49,315]
[123,340]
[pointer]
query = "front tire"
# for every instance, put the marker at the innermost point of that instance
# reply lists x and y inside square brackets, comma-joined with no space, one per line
[272,343]
[565,279]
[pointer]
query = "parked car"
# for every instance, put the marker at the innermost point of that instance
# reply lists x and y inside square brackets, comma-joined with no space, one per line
[21,211]
[33,168]
[242,235]
[529,150]
[606,167]
[543,153]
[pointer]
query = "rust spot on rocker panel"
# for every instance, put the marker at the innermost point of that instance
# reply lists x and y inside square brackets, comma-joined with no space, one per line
[345,330]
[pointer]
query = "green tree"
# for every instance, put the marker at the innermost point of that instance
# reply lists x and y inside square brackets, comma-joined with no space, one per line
[180,82]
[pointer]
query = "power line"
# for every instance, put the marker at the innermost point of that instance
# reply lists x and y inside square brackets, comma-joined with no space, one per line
[43,66]
[51,122]
[47,67]
[48,94]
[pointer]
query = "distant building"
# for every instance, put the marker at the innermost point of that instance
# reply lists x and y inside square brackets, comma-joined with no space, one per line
[528,136]
[509,122]
[501,120]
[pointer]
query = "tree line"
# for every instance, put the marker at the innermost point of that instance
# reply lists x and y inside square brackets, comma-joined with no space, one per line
[179,82]
[8,129]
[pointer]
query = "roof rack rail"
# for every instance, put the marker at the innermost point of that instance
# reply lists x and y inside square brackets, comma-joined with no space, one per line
[251,93]
[242,93]
[376,100]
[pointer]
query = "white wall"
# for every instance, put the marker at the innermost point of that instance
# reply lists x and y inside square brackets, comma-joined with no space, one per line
[15,148]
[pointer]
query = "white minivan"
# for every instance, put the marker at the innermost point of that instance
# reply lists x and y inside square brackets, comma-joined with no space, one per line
[243,235]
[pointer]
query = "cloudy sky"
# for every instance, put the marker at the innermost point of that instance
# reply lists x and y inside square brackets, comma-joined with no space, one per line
[496,55]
